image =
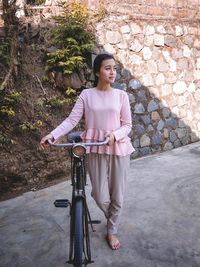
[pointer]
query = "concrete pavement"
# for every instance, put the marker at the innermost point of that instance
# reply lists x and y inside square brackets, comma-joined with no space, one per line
[159,227]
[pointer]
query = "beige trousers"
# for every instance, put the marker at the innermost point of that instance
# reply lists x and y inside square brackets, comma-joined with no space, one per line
[108,177]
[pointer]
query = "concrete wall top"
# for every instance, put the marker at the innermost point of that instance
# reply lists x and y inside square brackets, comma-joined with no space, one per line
[159,9]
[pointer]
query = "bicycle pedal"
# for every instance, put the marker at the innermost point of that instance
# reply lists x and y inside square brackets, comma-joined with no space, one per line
[95,221]
[61,203]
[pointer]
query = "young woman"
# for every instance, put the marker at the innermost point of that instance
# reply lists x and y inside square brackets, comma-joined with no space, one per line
[106,112]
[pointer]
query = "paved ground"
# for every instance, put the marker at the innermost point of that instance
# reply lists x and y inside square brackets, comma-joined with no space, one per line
[160,226]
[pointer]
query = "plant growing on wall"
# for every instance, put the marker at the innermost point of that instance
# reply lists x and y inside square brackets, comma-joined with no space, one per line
[73,38]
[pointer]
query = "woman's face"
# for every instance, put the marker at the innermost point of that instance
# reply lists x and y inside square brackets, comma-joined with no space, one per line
[107,72]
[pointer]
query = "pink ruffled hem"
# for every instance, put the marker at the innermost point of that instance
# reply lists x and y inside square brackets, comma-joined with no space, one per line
[122,147]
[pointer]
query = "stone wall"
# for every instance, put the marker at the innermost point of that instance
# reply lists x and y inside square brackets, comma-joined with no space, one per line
[160,69]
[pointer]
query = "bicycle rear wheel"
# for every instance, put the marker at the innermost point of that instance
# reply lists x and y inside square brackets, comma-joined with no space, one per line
[78,234]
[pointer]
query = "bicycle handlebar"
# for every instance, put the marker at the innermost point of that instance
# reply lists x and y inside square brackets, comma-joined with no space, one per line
[100,143]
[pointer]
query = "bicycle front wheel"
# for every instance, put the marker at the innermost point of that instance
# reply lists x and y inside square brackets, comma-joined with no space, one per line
[78,237]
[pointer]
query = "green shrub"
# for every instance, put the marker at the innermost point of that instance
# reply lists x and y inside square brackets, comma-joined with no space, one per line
[31,126]
[55,101]
[8,103]
[6,140]
[73,38]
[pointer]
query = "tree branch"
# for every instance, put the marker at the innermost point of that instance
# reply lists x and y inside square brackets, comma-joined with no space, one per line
[7,78]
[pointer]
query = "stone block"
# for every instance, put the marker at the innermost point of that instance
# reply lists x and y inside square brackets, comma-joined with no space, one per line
[197,43]
[182,64]
[139,109]
[148,40]
[166,133]
[177,143]
[185,140]
[122,45]
[182,100]
[156,53]
[155,116]
[179,30]
[172,136]
[159,40]
[198,63]
[135,59]
[196,74]
[136,46]
[177,53]
[142,95]
[109,48]
[166,89]
[181,132]
[171,77]
[171,122]
[145,141]
[150,128]
[152,106]
[152,66]
[146,119]
[139,129]
[147,80]
[113,37]
[194,137]
[188,40]
[175,112]
[157,138]
[182,124]
[147,54]
[120,86]
[160,79]
[134,84]
[197,95]
[186,51]
[172,65]
[160,125]
[179,87]
[170,41]
[131,98]
[136,143]
[163,66]
[168,146]
[144,151]
[125,29]
[135,28]
[125,73]
[154,92]
[166,112]
[195,52]
[160,29]
[149,30]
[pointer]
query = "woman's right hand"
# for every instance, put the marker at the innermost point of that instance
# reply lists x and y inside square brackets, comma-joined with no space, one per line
[44,141]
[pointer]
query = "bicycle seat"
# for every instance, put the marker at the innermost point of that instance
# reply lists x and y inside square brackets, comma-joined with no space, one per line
[74,137]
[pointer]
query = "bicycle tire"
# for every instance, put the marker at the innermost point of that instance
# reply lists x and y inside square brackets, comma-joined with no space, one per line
[78,237]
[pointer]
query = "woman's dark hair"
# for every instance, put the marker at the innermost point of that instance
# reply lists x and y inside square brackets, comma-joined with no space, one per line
[97,64]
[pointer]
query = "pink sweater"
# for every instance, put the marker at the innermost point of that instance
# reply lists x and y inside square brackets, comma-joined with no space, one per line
[104,112]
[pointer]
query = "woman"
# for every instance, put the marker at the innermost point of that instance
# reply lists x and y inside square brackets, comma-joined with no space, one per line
[106,112]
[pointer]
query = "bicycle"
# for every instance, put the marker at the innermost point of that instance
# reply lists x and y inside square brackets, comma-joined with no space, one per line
[80,219]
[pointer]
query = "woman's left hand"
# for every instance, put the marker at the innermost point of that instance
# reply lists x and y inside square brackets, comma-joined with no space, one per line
[111,138]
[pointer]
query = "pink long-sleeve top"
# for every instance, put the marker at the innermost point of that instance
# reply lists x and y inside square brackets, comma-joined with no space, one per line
[104,112]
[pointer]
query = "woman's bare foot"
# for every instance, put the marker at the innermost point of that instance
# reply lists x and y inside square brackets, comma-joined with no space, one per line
[113,241]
